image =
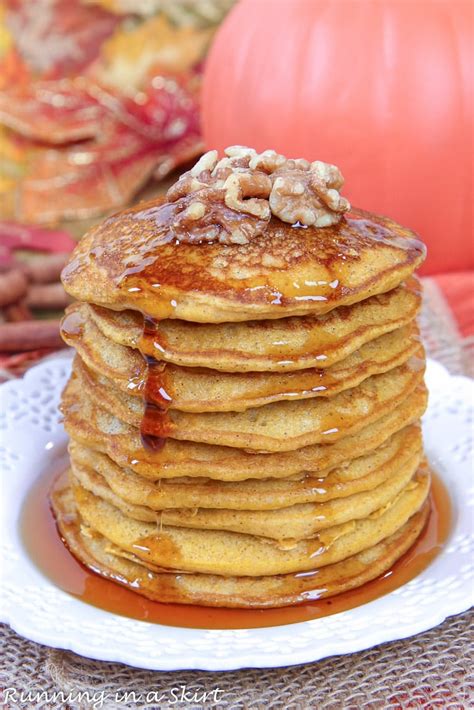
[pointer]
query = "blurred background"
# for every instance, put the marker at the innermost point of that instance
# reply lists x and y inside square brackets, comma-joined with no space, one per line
[105,102]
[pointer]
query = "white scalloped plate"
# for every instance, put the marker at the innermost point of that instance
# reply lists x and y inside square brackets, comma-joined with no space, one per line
[31,437]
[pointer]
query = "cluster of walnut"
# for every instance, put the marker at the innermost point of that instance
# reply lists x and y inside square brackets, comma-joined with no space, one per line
[256,185]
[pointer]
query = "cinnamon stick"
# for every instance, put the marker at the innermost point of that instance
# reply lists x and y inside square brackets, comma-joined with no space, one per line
[47,268]
[52,296]
[17,312]
[30,335]
[13,286]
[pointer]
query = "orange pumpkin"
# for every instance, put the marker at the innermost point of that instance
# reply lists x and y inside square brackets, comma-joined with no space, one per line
[381,88]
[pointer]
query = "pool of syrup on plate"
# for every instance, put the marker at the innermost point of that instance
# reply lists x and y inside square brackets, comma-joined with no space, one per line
[46,549]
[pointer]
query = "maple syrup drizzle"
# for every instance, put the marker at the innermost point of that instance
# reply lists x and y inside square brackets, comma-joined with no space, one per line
[157,396]
[285,349]
[72,325]
[45,547]
[155,263]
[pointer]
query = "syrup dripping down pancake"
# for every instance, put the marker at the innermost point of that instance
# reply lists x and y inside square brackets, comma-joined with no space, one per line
[204,390]
[91,425]
[279,345]
[280,426]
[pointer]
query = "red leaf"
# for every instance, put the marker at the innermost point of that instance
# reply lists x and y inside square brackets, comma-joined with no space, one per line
[23,236]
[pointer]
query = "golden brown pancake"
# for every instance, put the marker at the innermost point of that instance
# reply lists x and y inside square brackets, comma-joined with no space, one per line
[230,553]
[130,262]
[277,345]
[97,553]
[355,476]
[91,425]
[295,522]
[280,426]
[203,390]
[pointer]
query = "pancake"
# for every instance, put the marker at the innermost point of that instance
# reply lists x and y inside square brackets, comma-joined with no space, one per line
[230,553]
[285,525]
[96,553]
[203,390]
[280,426]
[131,261]
[356,476]
[269,345]
[87,422]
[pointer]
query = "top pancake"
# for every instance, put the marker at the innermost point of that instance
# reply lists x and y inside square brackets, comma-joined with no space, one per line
[130,262]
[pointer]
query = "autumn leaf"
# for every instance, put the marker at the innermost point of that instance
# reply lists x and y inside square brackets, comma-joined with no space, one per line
[155,45]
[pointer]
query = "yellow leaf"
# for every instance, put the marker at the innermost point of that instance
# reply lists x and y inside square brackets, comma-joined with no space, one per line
[13,162]
[128,57]
[6,40]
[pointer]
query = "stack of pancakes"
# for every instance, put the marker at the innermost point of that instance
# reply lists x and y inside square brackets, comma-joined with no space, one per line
[244,419]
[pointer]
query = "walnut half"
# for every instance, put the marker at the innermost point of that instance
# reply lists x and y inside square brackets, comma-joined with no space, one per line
[309,196]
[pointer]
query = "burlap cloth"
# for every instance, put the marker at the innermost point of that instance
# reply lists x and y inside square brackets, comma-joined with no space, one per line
[432,670]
